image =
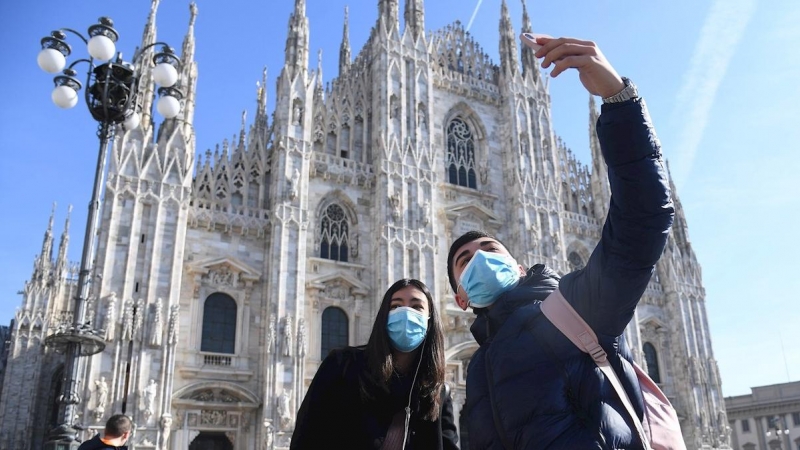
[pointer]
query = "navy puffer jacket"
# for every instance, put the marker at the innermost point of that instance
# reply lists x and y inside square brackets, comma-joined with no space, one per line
[528,386]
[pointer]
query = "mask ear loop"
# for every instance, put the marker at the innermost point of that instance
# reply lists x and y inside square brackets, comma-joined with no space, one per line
[411,391]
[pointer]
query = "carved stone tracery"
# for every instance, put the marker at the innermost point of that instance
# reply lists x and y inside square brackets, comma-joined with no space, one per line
[217,395]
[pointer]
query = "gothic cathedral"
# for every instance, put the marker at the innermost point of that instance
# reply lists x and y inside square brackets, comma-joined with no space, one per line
[220,283]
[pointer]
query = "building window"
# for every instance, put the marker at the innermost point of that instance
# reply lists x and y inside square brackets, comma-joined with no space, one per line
[334,229]
[745,425]
[575,261]
[651,358]
[219,324]
[334,330]
[796,418]
[461,154]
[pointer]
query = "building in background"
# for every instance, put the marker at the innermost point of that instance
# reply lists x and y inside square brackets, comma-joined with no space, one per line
[221,282]
[766,419]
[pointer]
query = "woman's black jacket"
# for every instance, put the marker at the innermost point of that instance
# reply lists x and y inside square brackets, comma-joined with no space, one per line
[333,414]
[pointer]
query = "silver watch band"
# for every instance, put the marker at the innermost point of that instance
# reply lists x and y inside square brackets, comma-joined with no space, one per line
[627,93]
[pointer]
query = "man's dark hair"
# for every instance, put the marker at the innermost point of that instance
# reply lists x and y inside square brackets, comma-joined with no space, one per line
[465,238]
[118,425]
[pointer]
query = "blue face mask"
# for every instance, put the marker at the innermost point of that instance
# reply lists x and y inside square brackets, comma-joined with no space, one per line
[407,328]
[486,276]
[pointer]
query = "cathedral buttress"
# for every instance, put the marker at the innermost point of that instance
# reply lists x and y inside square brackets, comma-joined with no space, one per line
[530,67]
[402,151]
[415,17]
[28,392]
[389,18]
[529,155]
[140,250]
[289,211]
[344,49]
[146,94]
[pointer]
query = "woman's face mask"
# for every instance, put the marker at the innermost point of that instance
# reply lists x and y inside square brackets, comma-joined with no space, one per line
[486,276]
[407,328]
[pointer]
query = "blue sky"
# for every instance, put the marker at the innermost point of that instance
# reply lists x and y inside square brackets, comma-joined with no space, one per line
[720,78]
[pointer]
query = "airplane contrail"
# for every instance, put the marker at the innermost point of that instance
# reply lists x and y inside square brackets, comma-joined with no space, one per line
[724,27]
[474,13]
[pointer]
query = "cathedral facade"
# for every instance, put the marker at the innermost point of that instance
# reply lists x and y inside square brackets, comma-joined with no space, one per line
[222,281]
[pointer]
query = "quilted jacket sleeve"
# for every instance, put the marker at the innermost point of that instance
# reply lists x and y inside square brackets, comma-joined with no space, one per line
[607,290]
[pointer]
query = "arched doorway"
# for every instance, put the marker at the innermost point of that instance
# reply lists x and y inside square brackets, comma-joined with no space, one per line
[208,440]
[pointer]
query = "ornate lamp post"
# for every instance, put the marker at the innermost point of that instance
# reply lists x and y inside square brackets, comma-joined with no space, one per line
[111,97]
[777,431]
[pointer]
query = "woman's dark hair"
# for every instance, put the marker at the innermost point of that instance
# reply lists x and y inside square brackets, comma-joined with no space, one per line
[380,363]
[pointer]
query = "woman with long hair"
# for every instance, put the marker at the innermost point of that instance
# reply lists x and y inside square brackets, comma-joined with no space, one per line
[389,394]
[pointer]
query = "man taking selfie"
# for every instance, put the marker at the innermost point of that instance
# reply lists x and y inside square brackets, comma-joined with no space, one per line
[529,386]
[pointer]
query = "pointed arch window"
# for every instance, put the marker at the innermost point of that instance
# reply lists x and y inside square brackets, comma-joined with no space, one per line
[651,358]
[334,234]
[219,324]
[334,330]
[461,154]
[56,387]
[575,261]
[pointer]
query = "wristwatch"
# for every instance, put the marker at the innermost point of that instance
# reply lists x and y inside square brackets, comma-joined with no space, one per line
[627,93]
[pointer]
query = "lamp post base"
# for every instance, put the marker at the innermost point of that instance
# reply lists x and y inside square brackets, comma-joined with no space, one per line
[63,437]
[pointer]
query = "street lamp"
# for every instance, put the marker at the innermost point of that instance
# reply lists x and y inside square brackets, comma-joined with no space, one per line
[111,97]
[777,430]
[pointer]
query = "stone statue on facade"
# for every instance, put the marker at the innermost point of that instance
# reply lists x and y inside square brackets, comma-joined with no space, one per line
[271,333]
[173,323]
[394,200]
[166,427]
[101,395]
[319,129]
[422,117]
[127,321]
[101,389]
[483,172]
[222,276]
[556,243]
[294,185]
[138,320]
[287,336]
[297,113]
[90,307]
[111,316]
[149,397]
[155,336]
[426,213]
[285,409]
[725,429]
[301,338]
[269,435]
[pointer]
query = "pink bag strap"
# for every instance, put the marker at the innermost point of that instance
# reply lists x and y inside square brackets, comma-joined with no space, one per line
[561,314]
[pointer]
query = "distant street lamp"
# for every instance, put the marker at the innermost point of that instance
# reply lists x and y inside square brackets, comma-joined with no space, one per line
[776,430]
[111,97]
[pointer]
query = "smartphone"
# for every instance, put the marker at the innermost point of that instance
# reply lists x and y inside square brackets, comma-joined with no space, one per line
[529,39]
